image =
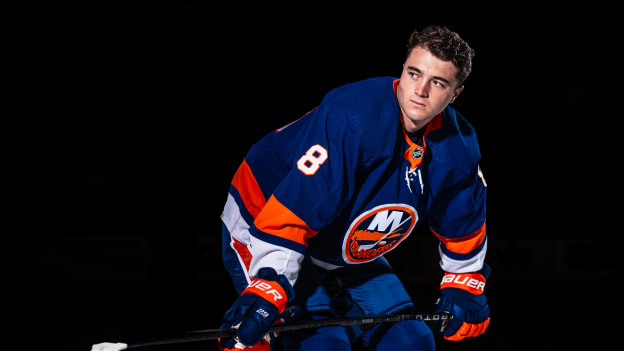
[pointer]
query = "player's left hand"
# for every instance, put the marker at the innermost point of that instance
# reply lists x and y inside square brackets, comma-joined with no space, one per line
[463,297]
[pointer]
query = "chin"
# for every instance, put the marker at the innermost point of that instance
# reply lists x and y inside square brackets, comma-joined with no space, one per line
[418,118]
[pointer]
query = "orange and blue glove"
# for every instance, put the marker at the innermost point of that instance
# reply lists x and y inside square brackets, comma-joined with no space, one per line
[462,295]
[256,310]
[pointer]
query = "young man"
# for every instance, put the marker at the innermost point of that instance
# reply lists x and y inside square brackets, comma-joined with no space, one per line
[316,204]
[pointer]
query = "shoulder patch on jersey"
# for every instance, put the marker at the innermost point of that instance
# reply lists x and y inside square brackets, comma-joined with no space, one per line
[378,231]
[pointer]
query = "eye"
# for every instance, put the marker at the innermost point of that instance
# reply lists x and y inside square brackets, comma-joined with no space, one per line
[439,84]
[413,75]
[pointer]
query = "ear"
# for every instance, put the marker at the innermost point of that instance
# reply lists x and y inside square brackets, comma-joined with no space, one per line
[456,93]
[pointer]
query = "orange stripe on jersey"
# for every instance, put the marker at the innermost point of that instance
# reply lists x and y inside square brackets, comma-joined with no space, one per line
[395,85]
[248,189]
[243,252]
[464,244]
[276,219]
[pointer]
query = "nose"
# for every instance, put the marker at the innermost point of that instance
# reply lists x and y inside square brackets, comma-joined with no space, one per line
[421,89]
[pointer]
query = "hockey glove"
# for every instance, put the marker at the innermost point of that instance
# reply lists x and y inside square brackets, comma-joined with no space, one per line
[258,307]
[463,297]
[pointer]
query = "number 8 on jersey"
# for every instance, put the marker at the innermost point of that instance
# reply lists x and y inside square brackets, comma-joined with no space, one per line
[312,160]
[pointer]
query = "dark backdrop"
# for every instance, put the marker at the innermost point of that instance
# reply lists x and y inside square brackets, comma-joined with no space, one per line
[161,104]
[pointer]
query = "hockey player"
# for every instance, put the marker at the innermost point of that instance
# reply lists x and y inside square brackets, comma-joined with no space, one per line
[316,204]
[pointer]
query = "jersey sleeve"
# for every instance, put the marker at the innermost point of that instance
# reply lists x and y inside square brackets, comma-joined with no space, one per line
[457,219]
[320,181]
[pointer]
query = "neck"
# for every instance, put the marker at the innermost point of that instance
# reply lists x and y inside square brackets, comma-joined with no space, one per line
[413,126]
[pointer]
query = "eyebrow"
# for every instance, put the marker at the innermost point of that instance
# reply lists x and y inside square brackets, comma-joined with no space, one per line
[435,77]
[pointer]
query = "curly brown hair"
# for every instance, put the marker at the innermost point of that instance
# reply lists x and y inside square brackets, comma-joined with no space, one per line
[445,45]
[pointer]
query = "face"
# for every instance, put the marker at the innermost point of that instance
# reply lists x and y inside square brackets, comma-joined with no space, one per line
[427,86]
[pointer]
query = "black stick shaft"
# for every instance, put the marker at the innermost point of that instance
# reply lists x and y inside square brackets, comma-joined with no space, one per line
[211,334]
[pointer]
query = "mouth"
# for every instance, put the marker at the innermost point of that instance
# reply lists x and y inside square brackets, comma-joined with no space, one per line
[418,104]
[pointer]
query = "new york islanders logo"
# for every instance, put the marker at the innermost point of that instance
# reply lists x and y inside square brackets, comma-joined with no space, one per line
[377,231]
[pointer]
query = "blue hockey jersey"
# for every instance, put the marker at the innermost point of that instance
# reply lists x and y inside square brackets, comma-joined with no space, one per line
[345,184]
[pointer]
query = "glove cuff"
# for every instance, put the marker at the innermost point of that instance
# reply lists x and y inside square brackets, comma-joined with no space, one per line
[271,287]
[269,290]
[474,283]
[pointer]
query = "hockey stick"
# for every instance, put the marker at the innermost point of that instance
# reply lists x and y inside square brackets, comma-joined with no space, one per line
[210,334]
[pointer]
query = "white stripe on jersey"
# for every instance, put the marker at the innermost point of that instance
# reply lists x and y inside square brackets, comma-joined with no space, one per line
[264,254]
[238,228]
[283,260]
[472,264]
[234,222]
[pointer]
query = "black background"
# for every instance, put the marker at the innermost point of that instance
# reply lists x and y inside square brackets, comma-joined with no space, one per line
[164,102]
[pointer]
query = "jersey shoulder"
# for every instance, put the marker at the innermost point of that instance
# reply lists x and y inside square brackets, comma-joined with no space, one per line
[361,95]
[370,109]
[455,143]
[362,115]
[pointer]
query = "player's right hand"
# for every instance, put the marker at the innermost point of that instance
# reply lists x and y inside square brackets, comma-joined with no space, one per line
[462,295]
[258,307]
